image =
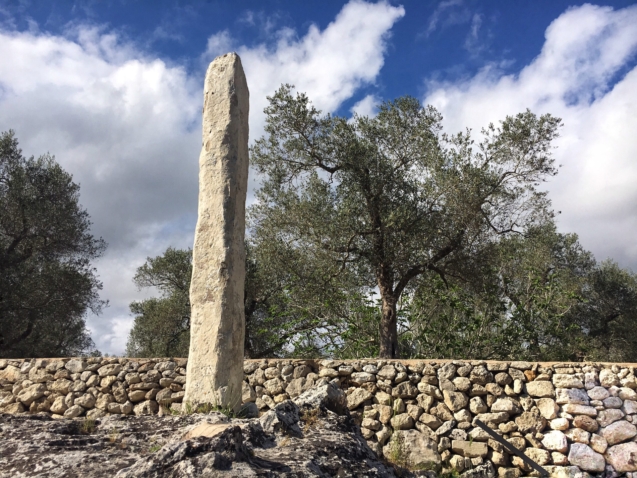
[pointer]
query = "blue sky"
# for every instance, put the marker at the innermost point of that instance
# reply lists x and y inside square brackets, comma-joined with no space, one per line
[114,90]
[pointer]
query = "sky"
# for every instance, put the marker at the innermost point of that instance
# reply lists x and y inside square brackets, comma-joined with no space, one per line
[114,90]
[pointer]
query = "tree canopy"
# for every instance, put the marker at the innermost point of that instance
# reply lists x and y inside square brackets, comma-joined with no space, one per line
[47,284]
[386,237]
[378,202]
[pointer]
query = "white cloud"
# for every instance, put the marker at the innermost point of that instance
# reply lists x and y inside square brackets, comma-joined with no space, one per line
[575,78]
[127,125]
[218,44]
[328,65]
[368,106]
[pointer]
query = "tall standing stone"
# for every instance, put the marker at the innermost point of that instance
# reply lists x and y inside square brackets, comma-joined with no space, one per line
[217,322]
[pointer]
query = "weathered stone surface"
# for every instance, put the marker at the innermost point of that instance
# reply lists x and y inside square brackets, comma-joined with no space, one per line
[608,378]
[123,447]
[455,400]
[579,410]
[469,449]
[555,440]
[357,397]
[75,365]
[548,408]
[31,393]
[402,421]
[578,435]
[477,405]
[571,395]
[215,362]
[598,443]
[586,423]
[108,370]
[325,397]
[585,458]
[559,424]
[623,458]
[618,432]
[414,448]
[10,374]
[507,405]
[405,390]
[562,380]
[629,407]
[540,389]
[606,417]
[148,407]
[598,393]
[530,422]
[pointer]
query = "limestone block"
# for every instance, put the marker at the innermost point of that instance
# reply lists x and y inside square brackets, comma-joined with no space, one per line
[556,441]
[469,449]
[562,380]
[74,411]
[455,400]
[387,372]
[622,457]
[548,408]
[85,401]
[618,432]
[586,423]
[530,422]
[402,421]
[31,393]
[249,395]
[414,411]
[148,407]
[358,397]
[75,365]
[540,389]
[606,417]
[103,400]
[405,390]
[430,420]
[506,405]
[613,402]
[477,405]
[215,361]
[38,375]
[60,386]
[95,413]
[164,396]
[579,410]
[111,369]
[578,435]
[608,378]
[598,443]
[417,450]
[585,458]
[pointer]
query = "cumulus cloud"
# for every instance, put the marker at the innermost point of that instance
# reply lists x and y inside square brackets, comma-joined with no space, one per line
[328,65]
[127,124]
[368,106]
[586,75]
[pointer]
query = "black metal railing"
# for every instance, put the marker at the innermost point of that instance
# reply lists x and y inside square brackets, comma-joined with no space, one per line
[512,449]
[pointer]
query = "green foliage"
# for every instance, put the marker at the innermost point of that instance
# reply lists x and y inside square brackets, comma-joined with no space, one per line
[162,324]
[47,284]
[274,327]
[351,206]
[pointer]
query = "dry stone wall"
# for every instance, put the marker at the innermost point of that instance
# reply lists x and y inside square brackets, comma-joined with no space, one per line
[570,418]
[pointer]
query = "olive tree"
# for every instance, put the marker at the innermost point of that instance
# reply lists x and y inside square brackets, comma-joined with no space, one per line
[47,284]
[382,201]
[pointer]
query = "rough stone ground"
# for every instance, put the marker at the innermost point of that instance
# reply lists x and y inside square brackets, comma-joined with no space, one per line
[298,439]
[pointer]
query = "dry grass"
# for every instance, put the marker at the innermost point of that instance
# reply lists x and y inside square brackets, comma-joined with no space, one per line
[310,418]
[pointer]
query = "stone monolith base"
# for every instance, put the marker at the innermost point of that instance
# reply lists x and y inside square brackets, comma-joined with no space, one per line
[217,323]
